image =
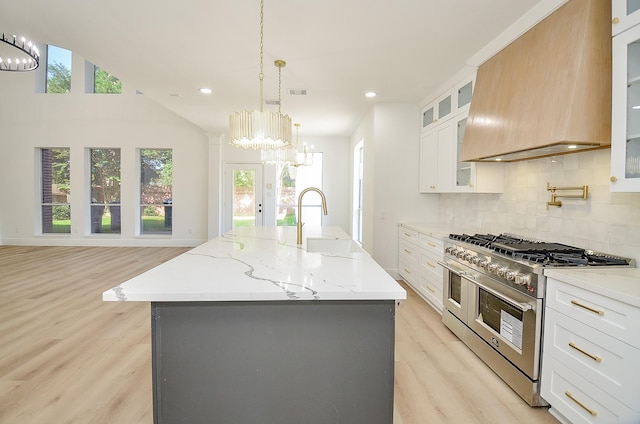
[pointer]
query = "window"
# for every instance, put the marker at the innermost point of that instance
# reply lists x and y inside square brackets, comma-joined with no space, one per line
[105,190]
[358,188]
[292,181]
[156,198]
[58,70]
[105,83]
[56,189]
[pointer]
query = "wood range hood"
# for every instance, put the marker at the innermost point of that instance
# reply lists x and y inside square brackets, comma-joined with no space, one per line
[548,92]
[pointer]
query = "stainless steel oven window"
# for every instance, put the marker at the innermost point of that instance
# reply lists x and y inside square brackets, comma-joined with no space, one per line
[503,318]
[455,288]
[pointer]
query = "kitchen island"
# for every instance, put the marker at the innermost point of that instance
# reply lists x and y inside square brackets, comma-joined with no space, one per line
[252,328]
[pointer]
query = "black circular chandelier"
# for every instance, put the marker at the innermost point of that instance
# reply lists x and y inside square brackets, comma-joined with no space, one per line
[20,55]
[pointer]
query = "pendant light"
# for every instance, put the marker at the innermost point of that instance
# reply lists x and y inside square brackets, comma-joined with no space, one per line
[26,56]
[260,129]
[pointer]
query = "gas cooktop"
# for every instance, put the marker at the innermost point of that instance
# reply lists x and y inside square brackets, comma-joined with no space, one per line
[539,252]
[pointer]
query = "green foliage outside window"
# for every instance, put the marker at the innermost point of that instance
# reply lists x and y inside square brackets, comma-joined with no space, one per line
[58,78]
[105,83]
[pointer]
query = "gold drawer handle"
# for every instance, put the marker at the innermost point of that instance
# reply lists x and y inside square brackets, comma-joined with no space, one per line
[431,265]
[594,357]
[590,411]
[588,308]
[431,244]
[430,289]
[407,271]
[407,251]
[408,235]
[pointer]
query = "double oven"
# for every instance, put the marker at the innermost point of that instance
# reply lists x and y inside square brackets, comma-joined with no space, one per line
[493,296]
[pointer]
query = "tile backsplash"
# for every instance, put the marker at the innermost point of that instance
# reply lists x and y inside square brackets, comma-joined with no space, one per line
[606,222]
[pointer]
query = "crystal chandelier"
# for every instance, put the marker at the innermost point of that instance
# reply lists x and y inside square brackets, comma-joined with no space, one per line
[289,155]
[27,56]
[260,129]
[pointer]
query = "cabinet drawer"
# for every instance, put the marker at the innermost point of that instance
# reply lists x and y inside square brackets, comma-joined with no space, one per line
[429,265]
[614,318]
[431,291]
[408,272]
[409,235]
[432,244]
[574,397]
[409,252]
[606,362]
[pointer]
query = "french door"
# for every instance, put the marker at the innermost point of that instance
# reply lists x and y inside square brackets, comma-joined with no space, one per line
[243,201]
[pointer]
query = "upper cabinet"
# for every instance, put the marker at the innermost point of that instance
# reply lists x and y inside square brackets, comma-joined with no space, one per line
[455,100]
[548,92]
[625,133]
[438,111]
[625,14]
[441,171]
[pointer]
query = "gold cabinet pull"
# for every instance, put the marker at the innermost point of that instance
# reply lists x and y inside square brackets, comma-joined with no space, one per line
[614,179]
[407,271]
[589,410]
[431,265]
[407,251]
[407,234]
[615,20]
[588,308]
[594,357]
[431,244]
[430,289]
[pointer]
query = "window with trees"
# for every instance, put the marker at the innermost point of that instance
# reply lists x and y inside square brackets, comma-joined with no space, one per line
[56,189]
[58,70]
[105,190]
[294,179]
[156,198]
[105,83]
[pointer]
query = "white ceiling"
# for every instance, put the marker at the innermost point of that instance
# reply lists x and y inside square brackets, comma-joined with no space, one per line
[335,49]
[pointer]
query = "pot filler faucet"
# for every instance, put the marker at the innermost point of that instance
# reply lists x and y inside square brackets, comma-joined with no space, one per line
[324,207]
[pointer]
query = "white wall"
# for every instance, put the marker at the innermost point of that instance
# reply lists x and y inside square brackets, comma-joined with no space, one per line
[391,134]
[29,121]
[606,222]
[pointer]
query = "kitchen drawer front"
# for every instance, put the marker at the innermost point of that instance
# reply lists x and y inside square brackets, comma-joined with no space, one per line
[429,265]
[606,362]
[431,290]
[409,272]
[409,235]
[574,397]
[409,252]
[614,318]
[432,244]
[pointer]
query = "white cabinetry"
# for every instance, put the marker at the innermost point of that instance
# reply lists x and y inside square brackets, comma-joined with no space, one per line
[439,110]
[624,14]
[590,356]
[440,168]
[625,120]
[419,253]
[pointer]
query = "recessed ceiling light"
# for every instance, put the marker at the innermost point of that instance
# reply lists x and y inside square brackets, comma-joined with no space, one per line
[205,90]
[370,94]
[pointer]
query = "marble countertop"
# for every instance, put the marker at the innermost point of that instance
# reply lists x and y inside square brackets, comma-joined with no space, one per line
[262,264]
[622,284]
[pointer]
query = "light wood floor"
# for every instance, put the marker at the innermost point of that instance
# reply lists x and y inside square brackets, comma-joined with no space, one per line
[68,357]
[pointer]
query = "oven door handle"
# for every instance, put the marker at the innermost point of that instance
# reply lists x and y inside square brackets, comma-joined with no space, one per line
[455,271]
[520,305]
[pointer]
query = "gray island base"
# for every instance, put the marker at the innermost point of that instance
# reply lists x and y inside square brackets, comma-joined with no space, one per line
[273,362]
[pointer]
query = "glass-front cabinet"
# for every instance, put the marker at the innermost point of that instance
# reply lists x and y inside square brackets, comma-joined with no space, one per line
[624,14]
[465,171]
[438,111]
[625,134]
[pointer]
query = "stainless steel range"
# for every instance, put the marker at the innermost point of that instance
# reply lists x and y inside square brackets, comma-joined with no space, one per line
[494,290]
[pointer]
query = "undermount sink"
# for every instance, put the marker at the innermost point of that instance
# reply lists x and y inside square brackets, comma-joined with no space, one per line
[332,245]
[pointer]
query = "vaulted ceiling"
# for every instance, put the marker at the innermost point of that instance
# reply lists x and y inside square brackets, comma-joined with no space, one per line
[335,49]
